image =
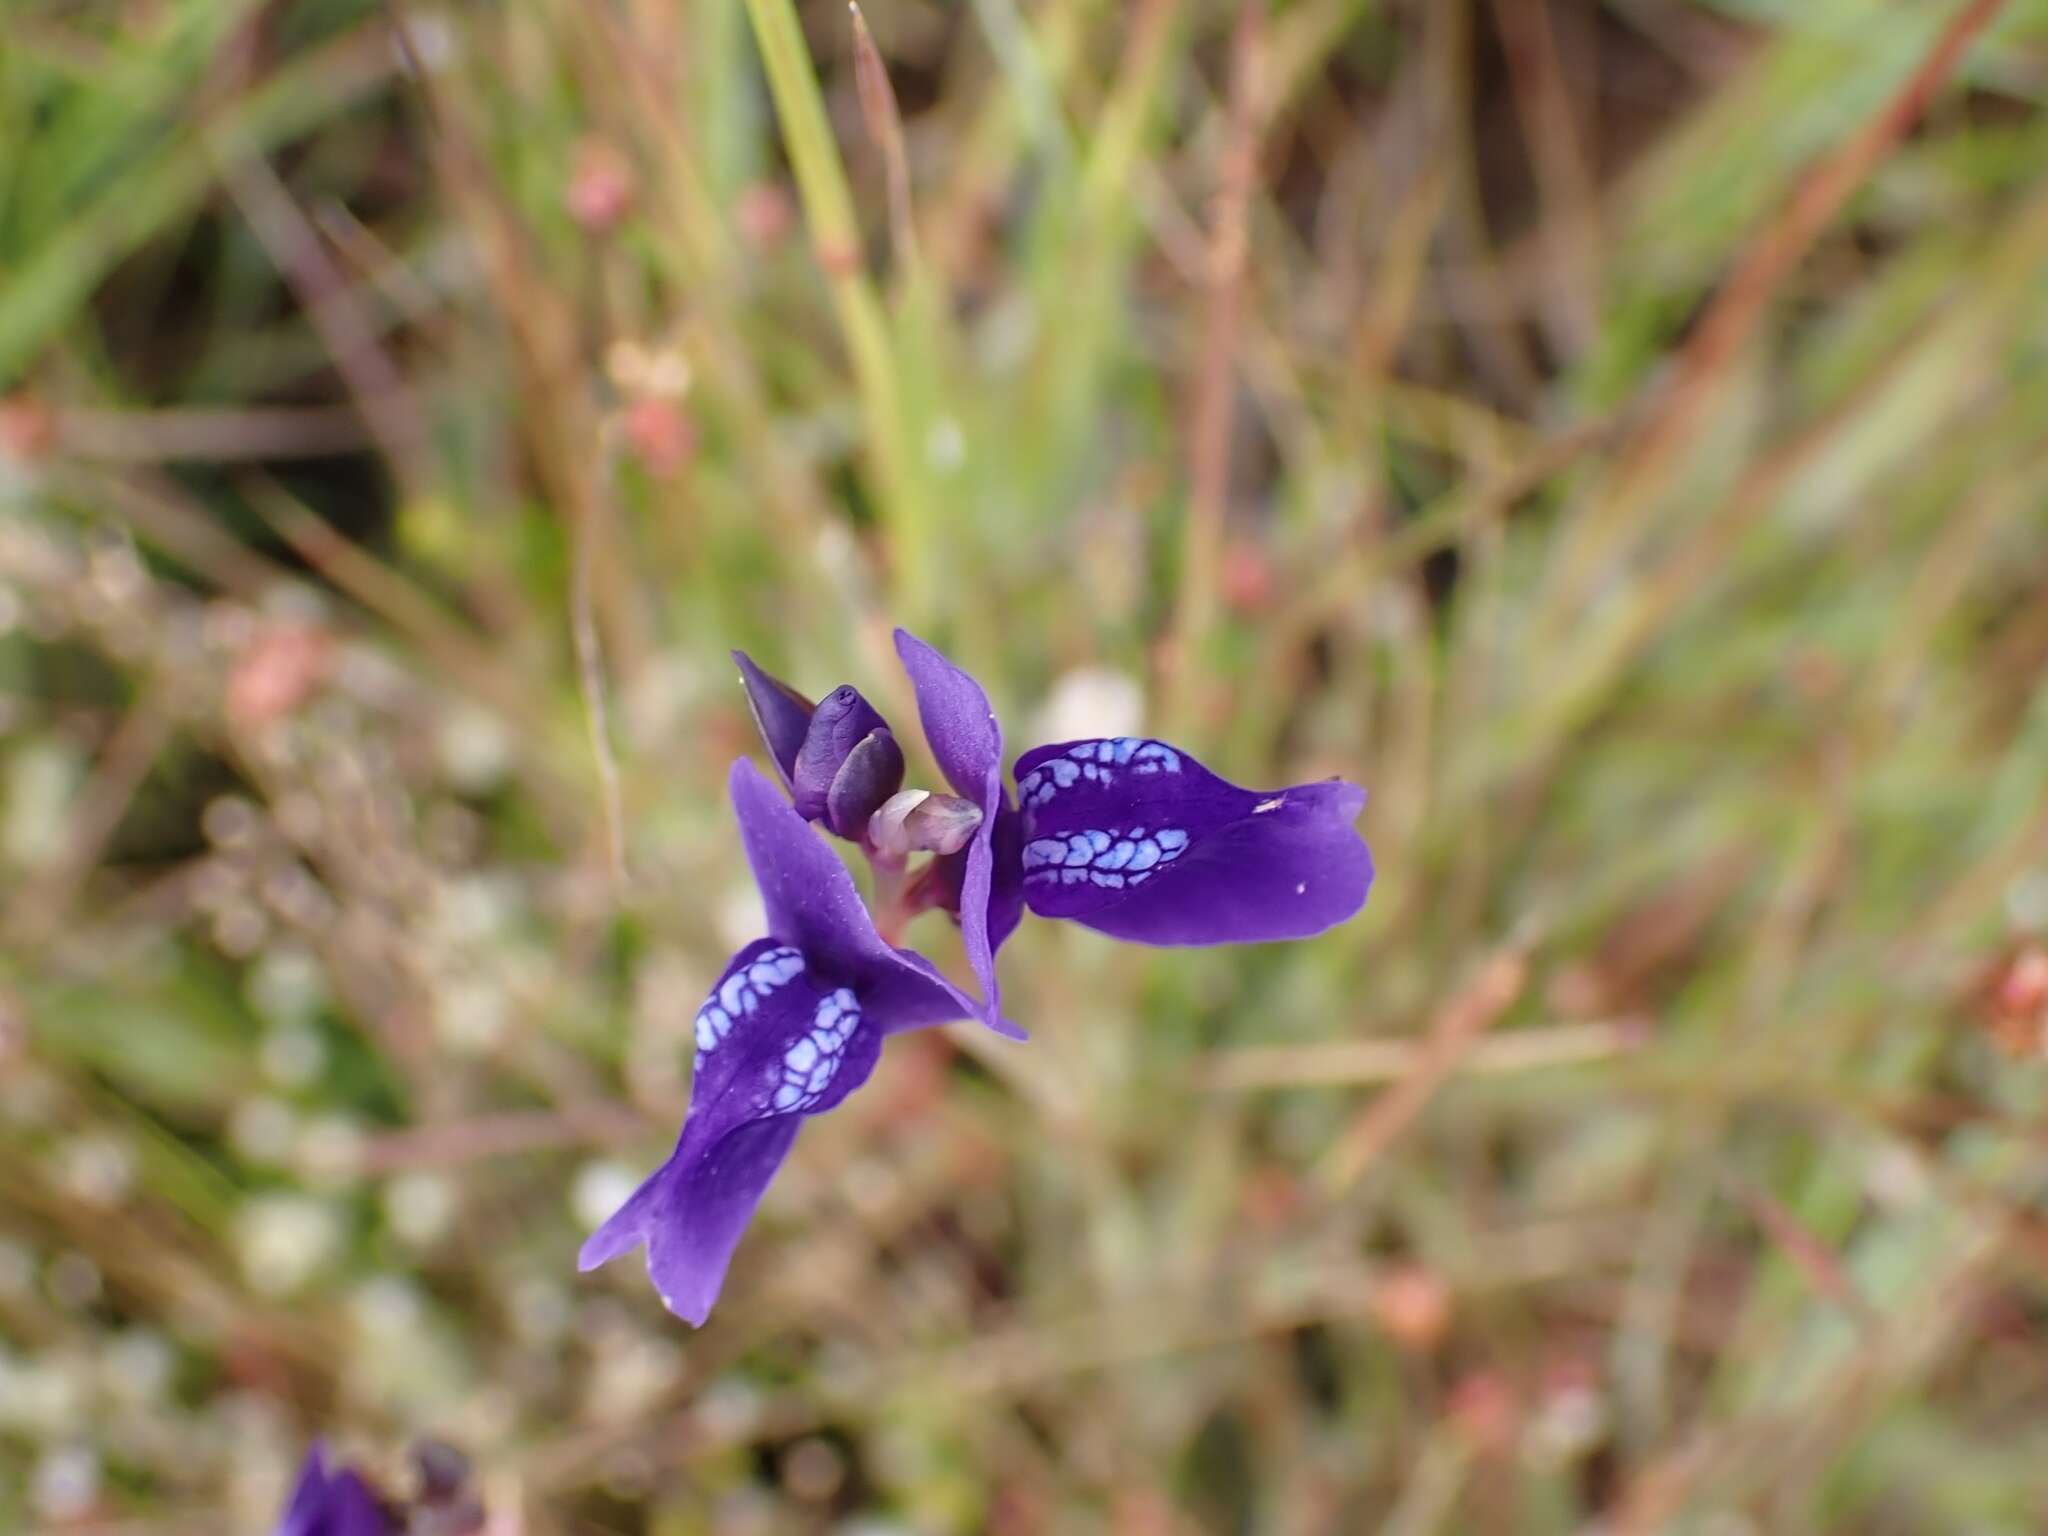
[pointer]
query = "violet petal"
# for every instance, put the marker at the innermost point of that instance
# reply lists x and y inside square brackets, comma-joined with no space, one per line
[813,905]
[967,743]
[1138,840]
[781,714]
[776,1041]
[842,721]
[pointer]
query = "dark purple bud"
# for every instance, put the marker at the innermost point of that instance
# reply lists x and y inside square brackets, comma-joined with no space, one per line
[781,713]
[447,1504]
[868,777]
[846,741]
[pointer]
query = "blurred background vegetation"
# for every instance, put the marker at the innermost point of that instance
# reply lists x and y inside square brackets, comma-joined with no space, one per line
[1611,430]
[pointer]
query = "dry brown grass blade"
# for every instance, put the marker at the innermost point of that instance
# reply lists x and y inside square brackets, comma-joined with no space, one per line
[1811,1256]
[380,391]
[1209,413]
[1781,245]
[41,904]
[884,122]
[1705,363]
[1568,240]
[1381,1061]
[506,1134]
[193,433]
[1453,1036]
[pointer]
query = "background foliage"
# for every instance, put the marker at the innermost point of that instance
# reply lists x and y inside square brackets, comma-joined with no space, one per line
[1609,429]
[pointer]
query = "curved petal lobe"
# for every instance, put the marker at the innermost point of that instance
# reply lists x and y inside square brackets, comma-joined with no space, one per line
[1138,840]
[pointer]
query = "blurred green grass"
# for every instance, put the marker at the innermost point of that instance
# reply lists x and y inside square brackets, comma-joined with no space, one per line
[385,419]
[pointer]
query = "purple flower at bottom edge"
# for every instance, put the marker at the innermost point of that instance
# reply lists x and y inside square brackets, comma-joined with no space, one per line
[794,1024]
[1131,836]
[332,1501]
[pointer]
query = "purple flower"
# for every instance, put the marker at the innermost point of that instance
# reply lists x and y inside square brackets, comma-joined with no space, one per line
[332,1502]
[1130,836]
[794,1025]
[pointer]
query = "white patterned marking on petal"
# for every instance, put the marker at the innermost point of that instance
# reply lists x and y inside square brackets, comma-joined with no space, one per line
[743,992]
[812,1060]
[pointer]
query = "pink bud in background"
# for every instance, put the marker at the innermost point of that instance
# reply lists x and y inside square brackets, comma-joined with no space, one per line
[765,215]
[662,436]
[601,186]
[277,671]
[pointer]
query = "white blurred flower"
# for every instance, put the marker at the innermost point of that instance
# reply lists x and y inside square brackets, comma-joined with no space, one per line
[471,1015]
[97,1170]
[2026,901]
[330,1150]
[1895,1178]
[540,1310]
[293,1055]
[419,1206]
[478,907]
[945,445]
[43,1398]
[40,779]
[386,1305]
[1090,701]
[284,1240]
[474,749]
[65,1483]
[601,1188]
[286,985]
[263,1129]
[729,1408]
[740,918]
[136,1366]
[633,1373]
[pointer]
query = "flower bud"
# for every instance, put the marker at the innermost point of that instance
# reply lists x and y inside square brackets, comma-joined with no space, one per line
[848,765]
[867,778]
[837,758]
[917,821]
